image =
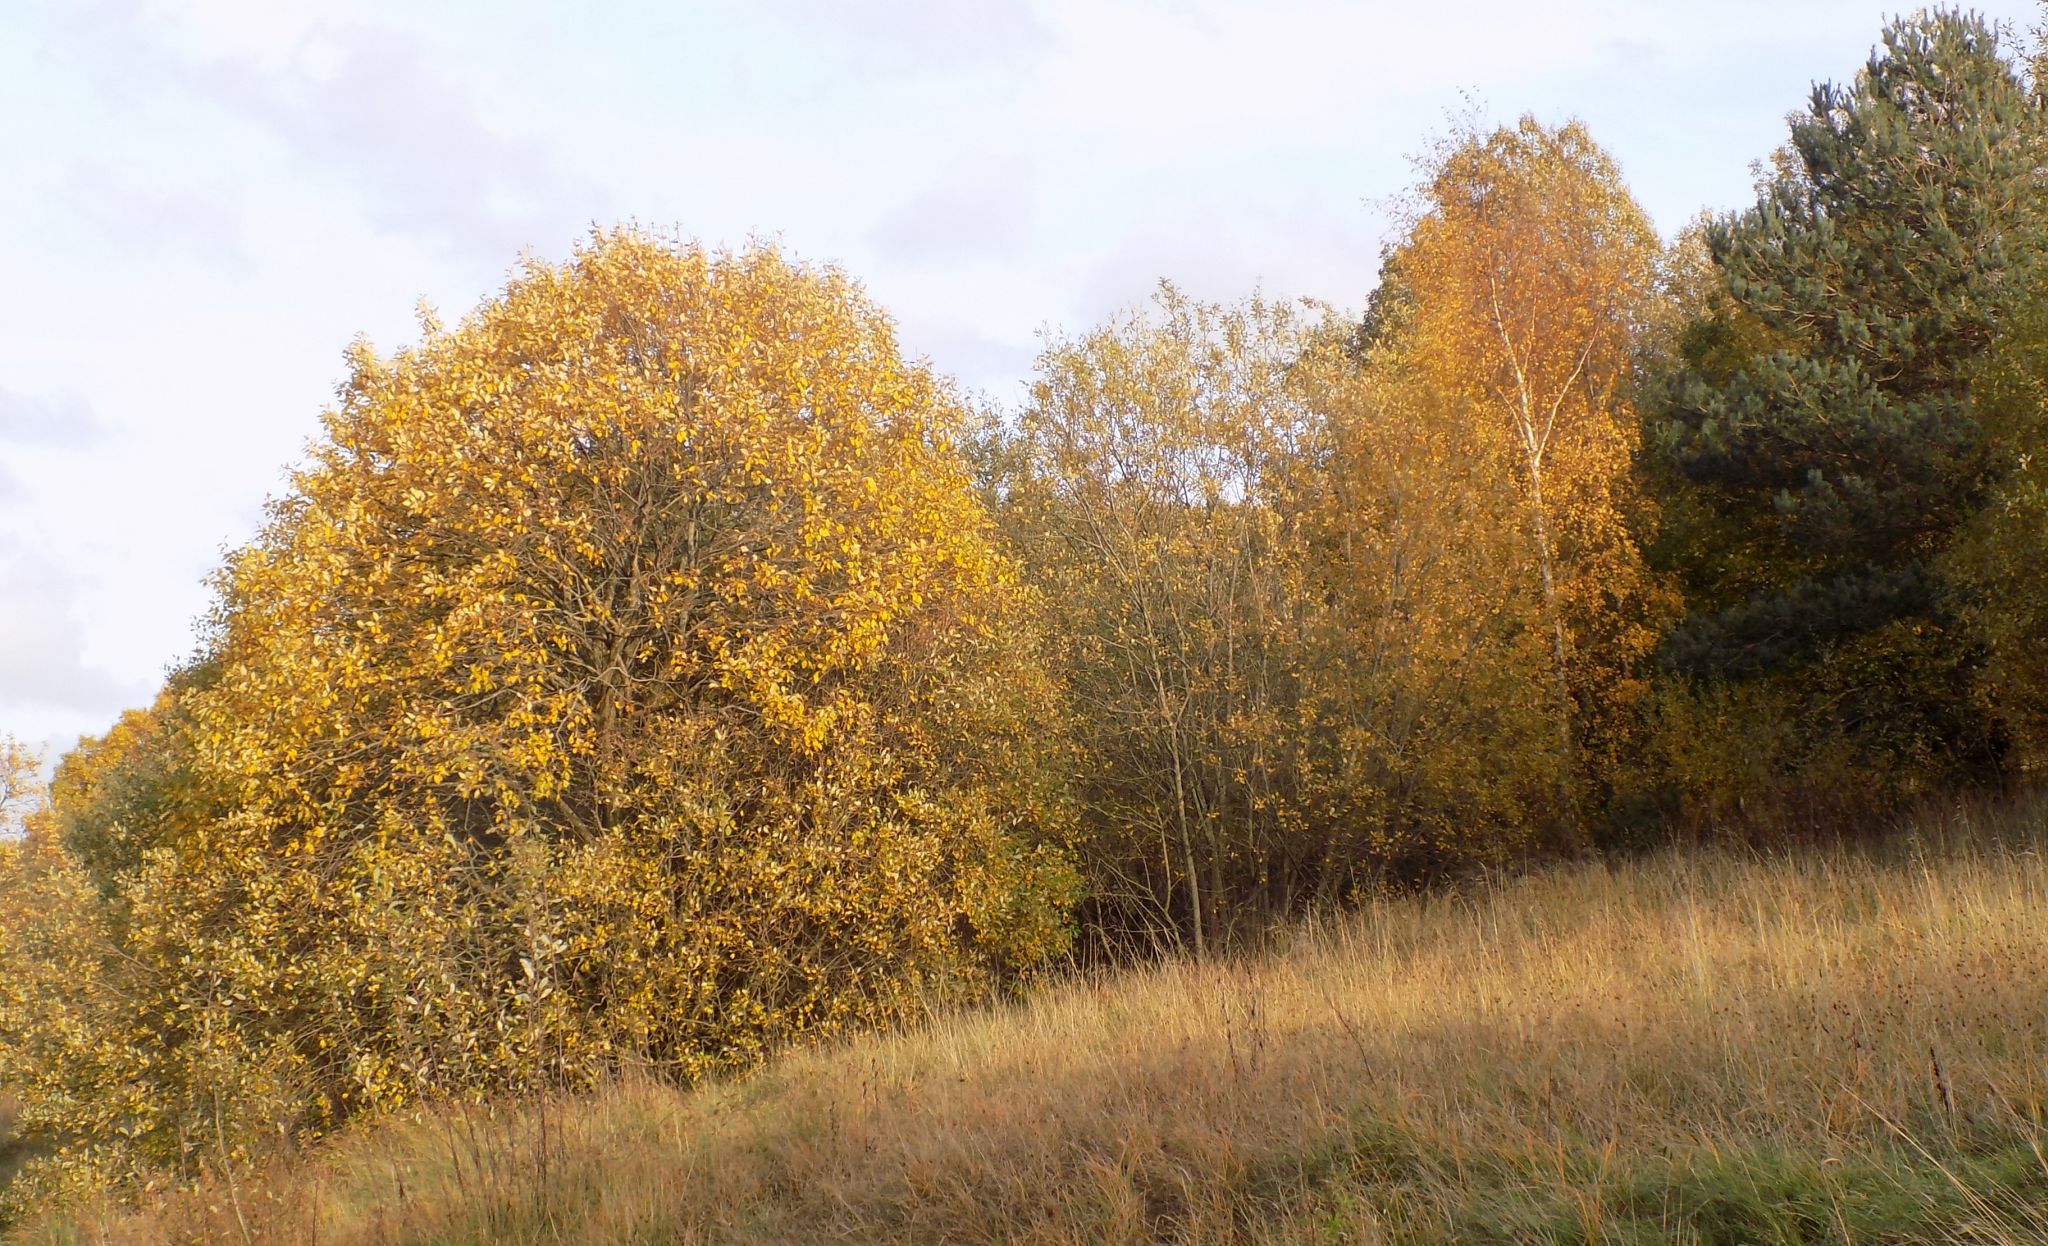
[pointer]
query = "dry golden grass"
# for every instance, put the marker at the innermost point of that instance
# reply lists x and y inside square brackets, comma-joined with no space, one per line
[1703,1047]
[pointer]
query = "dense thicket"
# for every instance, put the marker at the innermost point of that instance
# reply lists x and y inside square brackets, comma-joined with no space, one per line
[656,668]
[1327,616]
[1997,564]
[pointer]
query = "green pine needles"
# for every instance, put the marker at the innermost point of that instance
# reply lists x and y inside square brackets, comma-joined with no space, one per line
[1822,429]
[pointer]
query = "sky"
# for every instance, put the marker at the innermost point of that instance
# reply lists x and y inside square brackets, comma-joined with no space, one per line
[203,202]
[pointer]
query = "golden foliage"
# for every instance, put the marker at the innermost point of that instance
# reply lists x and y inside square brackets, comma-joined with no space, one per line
[1528,276]
[1328,610]
[629,677]
[1294,642]
[1433,684]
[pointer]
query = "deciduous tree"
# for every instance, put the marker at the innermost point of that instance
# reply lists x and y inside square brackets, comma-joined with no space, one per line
[1524,281]
[629,676]
[1154,495]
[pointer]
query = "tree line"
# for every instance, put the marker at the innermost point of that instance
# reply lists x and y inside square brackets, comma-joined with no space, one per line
[657,668]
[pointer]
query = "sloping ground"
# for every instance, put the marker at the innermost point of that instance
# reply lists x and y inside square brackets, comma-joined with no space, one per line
[1697,1048]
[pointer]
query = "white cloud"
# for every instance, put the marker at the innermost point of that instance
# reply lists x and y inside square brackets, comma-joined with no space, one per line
[360,103]
[924,32]
[978,208]
[64,420]
[42,663]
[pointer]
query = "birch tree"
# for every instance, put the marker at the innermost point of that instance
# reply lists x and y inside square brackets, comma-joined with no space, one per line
[1527,272]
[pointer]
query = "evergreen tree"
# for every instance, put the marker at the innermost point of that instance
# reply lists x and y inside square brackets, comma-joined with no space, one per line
[1821,430]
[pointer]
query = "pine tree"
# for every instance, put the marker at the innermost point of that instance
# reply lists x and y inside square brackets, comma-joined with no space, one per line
[1821,429]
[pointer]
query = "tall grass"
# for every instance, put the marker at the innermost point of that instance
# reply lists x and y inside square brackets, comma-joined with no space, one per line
[1705,1047]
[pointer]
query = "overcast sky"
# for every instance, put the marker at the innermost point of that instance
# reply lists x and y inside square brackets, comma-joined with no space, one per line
[203,201]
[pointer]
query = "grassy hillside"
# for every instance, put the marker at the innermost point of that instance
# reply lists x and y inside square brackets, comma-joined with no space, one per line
[1700,1047]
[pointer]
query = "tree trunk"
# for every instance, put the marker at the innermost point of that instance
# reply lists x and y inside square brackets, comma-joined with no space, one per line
[1560,681]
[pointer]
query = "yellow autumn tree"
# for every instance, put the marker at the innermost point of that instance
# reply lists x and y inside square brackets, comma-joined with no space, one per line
[78,1059]
[1428,676]
[629,677]
[1518,296]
